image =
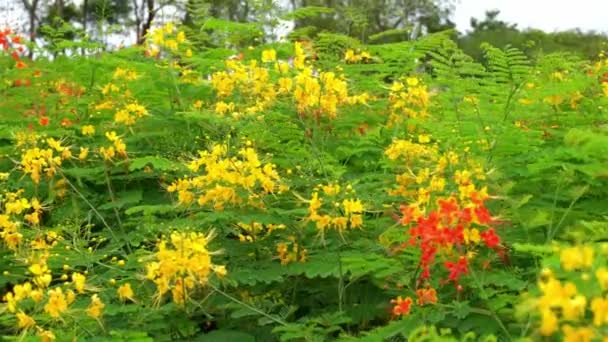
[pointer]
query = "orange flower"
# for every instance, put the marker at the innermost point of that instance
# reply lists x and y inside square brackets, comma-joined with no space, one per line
[20,65]
[44,121]
[426,296]
[402,306]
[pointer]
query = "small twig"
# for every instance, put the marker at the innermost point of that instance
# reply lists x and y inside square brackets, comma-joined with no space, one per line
[272,318]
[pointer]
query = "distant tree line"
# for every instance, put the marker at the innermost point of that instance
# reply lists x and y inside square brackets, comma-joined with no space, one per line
[369,21]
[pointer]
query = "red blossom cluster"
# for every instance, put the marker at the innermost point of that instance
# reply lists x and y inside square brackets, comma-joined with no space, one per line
[424,296]
[443,230]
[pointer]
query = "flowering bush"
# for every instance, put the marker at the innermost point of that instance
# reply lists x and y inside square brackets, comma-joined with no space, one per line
[164,192]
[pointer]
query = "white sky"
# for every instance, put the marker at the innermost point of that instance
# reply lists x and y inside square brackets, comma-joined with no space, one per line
[548,15]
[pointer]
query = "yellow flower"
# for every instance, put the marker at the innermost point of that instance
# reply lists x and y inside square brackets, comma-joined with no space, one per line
[424,138]
[471,235]
[107,153]
[198,104]
[412,81]
[352,207]
[581,334]
[356,221]
[24,321]
[577,257]
[56,304]
[599,307]
[46,335]
[602,277]
[351,57]
[181,37]
[111,136]
[79,281]
[269,55]
[84,152]
[549,323]
[220,270]
[96,307]
[88,130]
[125,292]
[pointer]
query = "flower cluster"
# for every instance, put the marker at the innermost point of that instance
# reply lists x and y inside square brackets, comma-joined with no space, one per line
[118,147]
[182,263]
[13,43]
[37,161]
[250,82]
[408,98]
[29,299]
[447,219]
[403,306]
[130,113]
[342,210]
[321,94]
[291,251]
[256,230]
[352,57]
[572,298]
[256,86]
[14,209]
[169,38]
[228,179]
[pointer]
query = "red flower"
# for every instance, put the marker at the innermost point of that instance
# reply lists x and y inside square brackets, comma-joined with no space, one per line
[457,268]
[17,39]
[448,208]
[483,215]
[15,55]
[408,213]
[66,122]
[490,238]
[402,306]
[44,121]
[426,296]
[20,65]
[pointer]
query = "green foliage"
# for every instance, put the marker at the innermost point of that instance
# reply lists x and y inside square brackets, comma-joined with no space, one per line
[536,127]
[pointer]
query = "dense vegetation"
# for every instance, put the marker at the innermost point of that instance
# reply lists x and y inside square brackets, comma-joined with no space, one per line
[317,190]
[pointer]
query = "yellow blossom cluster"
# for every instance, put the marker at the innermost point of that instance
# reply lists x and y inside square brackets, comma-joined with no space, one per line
[409,151]
[37,161]
[316,93]
[341,211]
[291,251]
[321,94]
[35,297]
[429,174]
[228,179]
[182,263]
[117,91]
[166,37]
[249,232]
[351,57]
[14,211]
[573,300]
[251,82]
[126,74]
[408,98]
[118,147]
[130,113]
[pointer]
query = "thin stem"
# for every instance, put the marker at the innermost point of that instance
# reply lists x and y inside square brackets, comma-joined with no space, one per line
[489,312]
[103,221]
[254,309]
